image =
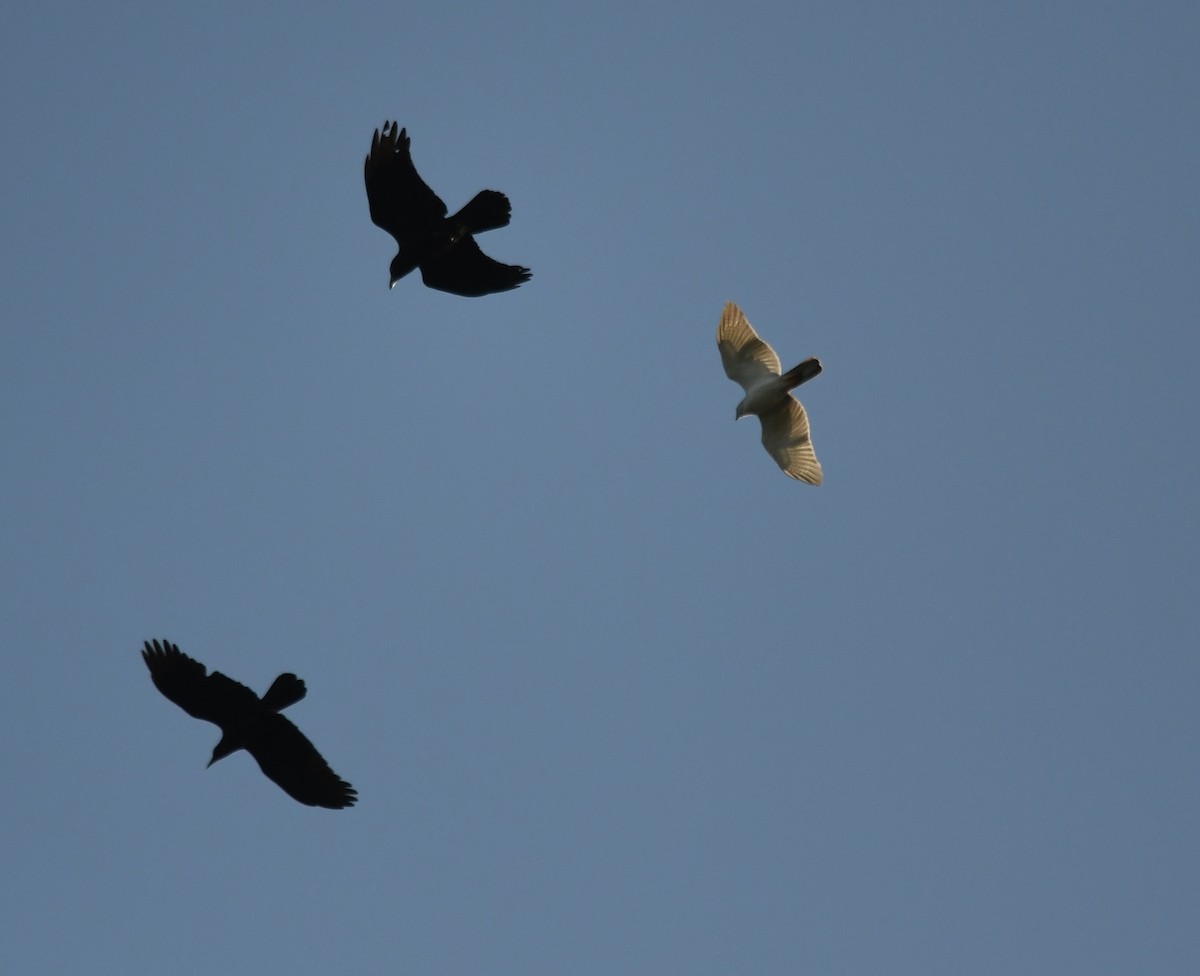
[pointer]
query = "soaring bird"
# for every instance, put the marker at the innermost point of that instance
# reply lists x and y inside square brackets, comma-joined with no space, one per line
[752,363]
[442,247]
[251,723]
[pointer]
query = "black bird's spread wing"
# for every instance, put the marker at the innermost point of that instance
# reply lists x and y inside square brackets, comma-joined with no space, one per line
[400,201]
[287,757]
[212,697]
[466,270]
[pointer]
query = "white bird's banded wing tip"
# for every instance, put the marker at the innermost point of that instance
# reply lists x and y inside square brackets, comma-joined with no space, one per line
[806,469]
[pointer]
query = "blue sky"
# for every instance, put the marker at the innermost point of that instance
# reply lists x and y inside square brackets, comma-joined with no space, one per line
[618,697]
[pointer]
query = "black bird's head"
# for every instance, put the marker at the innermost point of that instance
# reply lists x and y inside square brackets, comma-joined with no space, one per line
[400,266]
[226,747]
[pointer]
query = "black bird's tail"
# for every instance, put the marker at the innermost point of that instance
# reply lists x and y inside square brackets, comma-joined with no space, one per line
[285,690]
[802,373]
[488,210]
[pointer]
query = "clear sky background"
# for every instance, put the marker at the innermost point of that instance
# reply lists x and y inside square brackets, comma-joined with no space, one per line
[618,697]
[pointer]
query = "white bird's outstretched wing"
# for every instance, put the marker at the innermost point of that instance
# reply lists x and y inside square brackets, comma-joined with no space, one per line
[746,358]
[785,436]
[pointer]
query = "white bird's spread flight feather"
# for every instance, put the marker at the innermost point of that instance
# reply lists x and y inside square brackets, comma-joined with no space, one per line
[753,364]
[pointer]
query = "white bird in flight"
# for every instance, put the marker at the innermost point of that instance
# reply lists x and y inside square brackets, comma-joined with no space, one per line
[752,363]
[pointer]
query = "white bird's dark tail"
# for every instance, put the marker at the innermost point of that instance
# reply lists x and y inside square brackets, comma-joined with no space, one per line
[285,690]
[802,373]
[488,210]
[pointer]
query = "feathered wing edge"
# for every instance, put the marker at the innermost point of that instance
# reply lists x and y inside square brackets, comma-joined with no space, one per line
[397,197]
[786,436]
[187,683]
[466,270]
[290,760]
[747,359]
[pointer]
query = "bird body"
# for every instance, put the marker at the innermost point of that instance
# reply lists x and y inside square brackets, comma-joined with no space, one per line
[244,728]
[771,391]
[248,722]
[442,247]
[751,363]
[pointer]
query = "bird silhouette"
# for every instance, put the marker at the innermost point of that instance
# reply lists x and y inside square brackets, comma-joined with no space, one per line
[251,723]
[442,247]
[753,364]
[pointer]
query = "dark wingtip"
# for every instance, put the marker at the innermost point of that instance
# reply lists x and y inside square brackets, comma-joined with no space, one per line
[396,137]
[157,649]
[345,797]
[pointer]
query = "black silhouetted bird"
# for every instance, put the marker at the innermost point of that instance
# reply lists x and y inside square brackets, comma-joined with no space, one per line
[442,247]
[251,723]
